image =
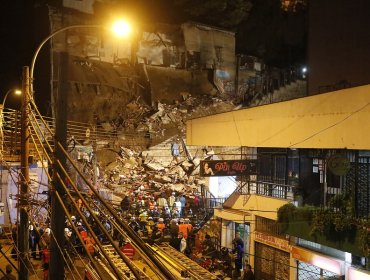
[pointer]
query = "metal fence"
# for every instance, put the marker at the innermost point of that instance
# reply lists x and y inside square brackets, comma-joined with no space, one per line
[267,189]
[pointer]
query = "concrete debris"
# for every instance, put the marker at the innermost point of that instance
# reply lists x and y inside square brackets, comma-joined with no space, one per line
[151,169]
[107,127]
[154,166]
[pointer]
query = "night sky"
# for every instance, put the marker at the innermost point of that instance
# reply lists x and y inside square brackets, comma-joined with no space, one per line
[338,40]
[23,26]
[339,45]
[16,31]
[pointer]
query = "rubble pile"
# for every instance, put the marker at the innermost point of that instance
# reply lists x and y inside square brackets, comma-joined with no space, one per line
[149,172]
[154,169]
[165,120]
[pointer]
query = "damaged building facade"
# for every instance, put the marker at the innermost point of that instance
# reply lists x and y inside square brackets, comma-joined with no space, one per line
[166,64]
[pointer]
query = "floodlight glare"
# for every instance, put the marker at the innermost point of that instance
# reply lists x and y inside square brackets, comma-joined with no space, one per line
[121,28]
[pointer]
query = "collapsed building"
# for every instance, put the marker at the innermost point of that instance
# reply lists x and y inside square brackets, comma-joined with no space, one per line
[141,91]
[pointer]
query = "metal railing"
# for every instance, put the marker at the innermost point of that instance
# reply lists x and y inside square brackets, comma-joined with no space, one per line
[276,190]
[77,131]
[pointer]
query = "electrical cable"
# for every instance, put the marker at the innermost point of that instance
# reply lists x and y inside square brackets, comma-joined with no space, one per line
[97,241]
[112,212]
[68,215]
[31,222]
[116,226]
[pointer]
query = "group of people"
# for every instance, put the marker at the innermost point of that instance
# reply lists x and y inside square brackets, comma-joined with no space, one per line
[169,218]
[174,219]
[157,205]
[229,262]
[38,240]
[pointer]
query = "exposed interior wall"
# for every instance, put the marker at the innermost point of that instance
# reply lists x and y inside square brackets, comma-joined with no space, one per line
[216,47]
[104,80]
[169,85]
[96,87]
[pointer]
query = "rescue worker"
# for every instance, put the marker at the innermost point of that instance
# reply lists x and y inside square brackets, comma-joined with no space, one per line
[171,201]
[188,225]
[161,225]
[45,256]
[149,226]
[156,235]
[183,228]
[134,224]
[90,244]
[162,202]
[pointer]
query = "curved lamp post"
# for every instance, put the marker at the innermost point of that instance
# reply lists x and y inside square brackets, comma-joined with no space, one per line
[16,91]
[121,29]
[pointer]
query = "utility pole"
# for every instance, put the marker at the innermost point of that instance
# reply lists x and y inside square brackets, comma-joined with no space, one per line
[24,180]
[56,270]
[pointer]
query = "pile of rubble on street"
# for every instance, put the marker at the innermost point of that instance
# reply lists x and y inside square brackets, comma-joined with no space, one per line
[141,156]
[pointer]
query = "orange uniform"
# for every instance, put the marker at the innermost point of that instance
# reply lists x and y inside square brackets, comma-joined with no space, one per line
[90,242]
[184,229]
[161,227]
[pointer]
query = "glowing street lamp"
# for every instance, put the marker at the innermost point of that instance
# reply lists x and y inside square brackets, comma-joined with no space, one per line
[120,28]
[16,92]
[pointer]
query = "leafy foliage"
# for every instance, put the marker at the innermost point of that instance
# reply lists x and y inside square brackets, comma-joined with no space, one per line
[335,224]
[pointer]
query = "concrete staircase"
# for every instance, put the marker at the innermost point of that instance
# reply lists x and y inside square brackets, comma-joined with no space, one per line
[230,201]
[293,90]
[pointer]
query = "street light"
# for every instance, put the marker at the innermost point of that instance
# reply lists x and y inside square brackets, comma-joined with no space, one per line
[121,29]
[16,92]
